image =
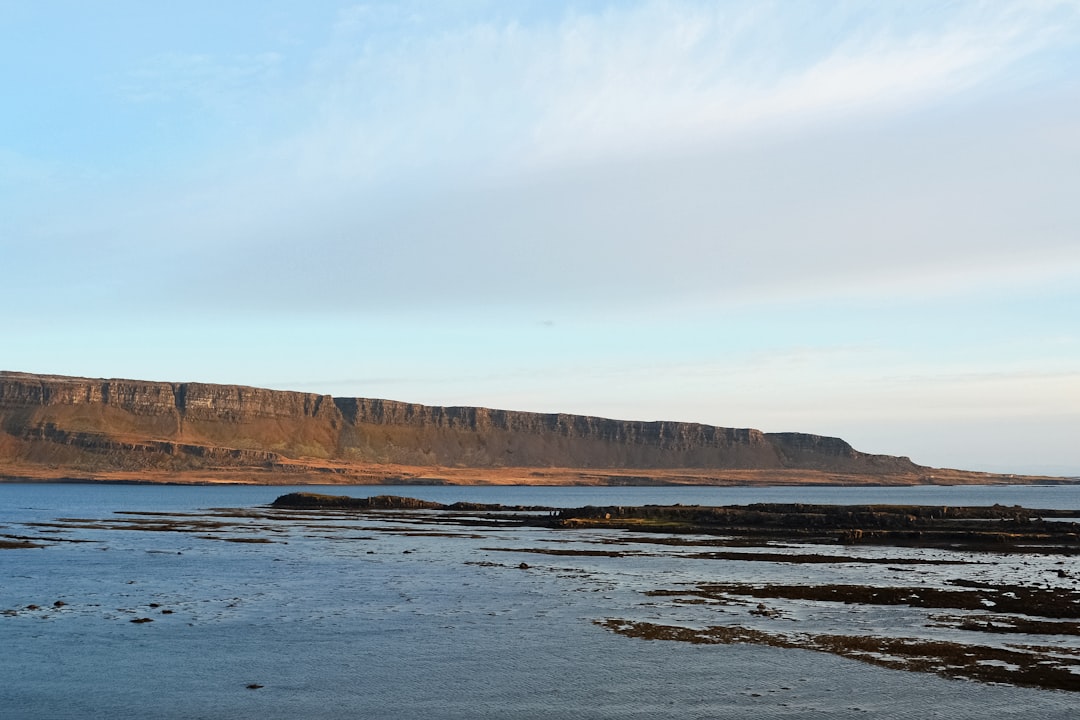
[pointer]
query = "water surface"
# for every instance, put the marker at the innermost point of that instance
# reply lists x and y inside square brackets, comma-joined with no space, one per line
[379,617]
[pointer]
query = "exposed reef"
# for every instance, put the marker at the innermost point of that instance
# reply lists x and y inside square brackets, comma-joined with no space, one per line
[320,501]
[988,594]
[1038,622]
[997,528]
[1023,667]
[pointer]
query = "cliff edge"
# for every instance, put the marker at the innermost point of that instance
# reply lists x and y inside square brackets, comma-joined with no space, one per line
[81,427]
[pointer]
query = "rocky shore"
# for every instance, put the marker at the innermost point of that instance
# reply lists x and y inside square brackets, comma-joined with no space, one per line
[988,594]
[999,528]
[1015,629]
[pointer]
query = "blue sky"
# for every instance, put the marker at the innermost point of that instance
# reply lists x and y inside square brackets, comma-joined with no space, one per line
[851,219]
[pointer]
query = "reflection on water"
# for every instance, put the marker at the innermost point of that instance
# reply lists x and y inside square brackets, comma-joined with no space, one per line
[398,616]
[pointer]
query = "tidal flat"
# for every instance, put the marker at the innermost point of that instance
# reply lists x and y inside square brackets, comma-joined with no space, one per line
[795,615]
[499,609]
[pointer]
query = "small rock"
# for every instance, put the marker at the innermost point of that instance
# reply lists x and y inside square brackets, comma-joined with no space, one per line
[253,686]
[142,620]
[523,566]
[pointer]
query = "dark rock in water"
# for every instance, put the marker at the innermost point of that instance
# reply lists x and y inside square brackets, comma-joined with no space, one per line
[254,686]
[139,621]
[317,501]
[762,610]
[994,528]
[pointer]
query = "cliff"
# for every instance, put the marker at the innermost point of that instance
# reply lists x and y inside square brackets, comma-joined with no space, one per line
[94,425]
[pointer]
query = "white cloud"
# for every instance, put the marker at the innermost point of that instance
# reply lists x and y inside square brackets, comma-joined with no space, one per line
[399,90]
[562,160]
[663,75]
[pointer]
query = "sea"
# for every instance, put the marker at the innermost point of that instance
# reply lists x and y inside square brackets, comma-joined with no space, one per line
[160,601]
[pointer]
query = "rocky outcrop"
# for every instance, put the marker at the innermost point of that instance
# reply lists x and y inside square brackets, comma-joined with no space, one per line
[318,501]
[129,424]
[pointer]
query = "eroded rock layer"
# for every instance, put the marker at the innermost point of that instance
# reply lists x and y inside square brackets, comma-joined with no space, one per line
[100,424]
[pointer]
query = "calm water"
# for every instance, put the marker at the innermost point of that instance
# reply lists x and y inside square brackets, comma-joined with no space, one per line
[375,619]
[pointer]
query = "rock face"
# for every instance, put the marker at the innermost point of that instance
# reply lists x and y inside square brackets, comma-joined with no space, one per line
[128,425]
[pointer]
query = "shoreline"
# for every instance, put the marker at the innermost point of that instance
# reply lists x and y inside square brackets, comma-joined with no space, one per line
[11,480]
[372,474]
[985,594]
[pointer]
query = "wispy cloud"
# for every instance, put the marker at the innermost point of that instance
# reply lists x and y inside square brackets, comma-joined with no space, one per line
[684,189]
[677,75]
[643,77]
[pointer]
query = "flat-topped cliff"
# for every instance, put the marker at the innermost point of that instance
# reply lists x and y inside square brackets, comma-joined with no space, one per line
[78,426]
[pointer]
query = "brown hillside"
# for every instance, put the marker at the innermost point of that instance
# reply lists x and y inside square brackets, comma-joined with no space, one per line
[67,427]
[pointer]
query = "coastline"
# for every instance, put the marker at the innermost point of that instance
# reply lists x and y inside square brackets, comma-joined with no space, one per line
[371,474]
[916,581]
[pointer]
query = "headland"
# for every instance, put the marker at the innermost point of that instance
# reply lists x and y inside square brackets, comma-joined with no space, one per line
[71,429]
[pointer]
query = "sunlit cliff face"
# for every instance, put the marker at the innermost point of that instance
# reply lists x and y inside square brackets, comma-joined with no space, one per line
[128,424]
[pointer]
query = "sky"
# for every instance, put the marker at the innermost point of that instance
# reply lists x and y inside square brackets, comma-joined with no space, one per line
[856,219]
